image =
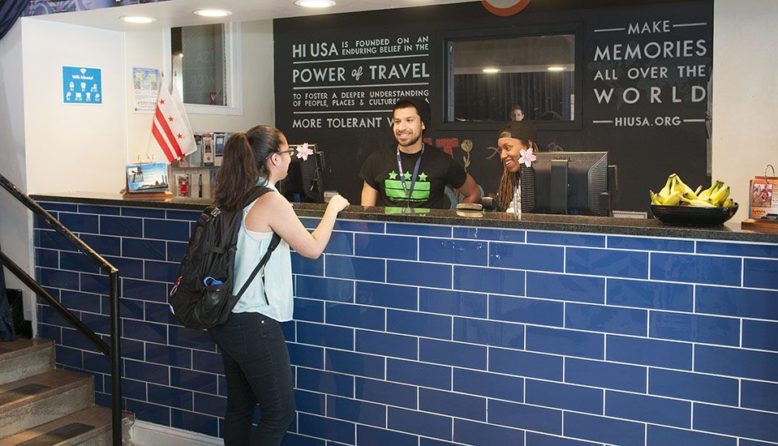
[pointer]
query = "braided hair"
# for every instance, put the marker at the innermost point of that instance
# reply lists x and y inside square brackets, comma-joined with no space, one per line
[509,179]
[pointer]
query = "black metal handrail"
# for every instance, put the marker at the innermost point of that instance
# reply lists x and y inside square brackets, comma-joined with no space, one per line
[114,351]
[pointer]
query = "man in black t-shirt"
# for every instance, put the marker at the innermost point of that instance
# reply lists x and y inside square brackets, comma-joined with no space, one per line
[413,174]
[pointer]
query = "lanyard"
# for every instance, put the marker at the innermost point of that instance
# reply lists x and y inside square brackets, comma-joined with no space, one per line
[409,194]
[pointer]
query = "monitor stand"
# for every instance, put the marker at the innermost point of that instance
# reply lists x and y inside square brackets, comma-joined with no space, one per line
[559,186]
[606,198]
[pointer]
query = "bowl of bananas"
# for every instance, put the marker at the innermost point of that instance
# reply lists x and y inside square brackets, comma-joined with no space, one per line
[678,204]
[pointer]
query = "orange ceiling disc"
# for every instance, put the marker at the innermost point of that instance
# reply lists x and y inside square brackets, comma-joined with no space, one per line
[505,8]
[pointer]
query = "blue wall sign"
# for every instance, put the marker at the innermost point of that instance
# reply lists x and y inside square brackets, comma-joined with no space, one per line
[81,85]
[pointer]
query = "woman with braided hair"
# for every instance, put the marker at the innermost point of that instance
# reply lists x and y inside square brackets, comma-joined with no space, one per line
[512,140]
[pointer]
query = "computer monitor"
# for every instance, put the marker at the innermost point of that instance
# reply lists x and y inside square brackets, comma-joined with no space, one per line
[567,183]
[306,178]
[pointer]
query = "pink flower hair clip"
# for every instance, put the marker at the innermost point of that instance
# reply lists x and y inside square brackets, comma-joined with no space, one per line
[527,157]
[303,151]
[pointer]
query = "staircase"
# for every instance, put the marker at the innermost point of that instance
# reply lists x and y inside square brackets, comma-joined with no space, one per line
[43,406]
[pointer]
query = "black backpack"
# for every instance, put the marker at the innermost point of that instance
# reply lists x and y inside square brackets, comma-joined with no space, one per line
[202,296]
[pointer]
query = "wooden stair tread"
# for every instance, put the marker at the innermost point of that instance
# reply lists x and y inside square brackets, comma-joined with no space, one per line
[22,346]
[80,425]
[47,384]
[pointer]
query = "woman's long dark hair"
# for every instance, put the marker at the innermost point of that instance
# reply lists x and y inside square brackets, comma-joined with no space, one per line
[245,160]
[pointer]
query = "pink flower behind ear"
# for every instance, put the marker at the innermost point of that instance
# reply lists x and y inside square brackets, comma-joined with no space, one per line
[303,151]
[527,157]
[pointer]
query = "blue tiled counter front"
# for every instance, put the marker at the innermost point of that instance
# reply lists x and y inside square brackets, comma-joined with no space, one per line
[437,334]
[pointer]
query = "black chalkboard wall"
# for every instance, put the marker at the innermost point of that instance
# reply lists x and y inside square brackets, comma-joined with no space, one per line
[337,77]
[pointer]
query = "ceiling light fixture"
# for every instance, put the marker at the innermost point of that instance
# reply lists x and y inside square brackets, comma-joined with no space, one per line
[491,70]
[138,19]
[556,68]
[213,12]
[314,3]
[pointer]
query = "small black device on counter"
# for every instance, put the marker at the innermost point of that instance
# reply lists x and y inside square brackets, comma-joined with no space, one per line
[306,179]
[487,203]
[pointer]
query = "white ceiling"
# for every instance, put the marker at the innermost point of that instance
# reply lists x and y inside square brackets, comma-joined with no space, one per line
[179,12]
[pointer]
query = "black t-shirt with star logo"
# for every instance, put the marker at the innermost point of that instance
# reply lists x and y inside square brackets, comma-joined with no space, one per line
[436,170]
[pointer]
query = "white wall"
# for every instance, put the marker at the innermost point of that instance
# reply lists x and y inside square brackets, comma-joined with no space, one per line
[745,93]
[15,230]
[145,49]
[73,147]
[12,162]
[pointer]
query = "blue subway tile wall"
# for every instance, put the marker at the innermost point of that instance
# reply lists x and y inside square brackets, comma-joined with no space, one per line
[431,335]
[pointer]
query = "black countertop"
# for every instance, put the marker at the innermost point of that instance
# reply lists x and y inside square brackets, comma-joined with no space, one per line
[567,223]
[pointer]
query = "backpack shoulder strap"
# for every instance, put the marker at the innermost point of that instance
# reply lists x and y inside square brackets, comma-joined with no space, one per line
[255,192]
[271,247]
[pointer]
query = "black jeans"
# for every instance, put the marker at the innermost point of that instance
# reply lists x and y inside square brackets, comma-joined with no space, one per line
[256,364]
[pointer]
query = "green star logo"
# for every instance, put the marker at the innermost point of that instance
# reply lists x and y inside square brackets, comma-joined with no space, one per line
[423,177]
[407,176]
[392,175]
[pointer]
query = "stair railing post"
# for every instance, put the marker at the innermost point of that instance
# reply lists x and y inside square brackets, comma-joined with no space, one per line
[116,358]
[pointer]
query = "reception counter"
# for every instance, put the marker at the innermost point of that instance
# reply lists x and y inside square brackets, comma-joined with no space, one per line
[431,329]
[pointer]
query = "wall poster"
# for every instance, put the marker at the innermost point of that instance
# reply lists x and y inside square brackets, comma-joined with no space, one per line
[81,85]
[145,87]
[353,83]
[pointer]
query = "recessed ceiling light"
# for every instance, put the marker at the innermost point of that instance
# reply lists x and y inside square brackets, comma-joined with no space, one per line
[556,68]
[491,70]
[314,3]
[213,12]
[138,19]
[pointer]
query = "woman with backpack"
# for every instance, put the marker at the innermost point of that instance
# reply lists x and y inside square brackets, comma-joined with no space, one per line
[256,361]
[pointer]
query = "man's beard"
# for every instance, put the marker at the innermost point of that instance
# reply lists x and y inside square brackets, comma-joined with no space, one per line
[415,140]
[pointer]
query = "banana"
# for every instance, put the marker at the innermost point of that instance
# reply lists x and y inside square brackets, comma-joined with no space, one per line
[667,190]
[705,195]
[654,198]
[673,199]
[676,192]
[685,190]
[718,197]
[697,203]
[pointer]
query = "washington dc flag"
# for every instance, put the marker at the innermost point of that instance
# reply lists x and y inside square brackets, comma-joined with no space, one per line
[171,133]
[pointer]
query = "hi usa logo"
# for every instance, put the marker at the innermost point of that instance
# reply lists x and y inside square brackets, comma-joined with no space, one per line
[505,8]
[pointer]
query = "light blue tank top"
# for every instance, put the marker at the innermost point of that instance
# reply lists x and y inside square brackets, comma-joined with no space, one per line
[278,274]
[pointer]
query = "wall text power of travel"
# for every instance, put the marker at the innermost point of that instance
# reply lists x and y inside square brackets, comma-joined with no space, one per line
[377,72]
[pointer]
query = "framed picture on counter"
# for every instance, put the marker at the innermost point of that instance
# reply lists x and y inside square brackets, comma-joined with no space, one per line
[147,178]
